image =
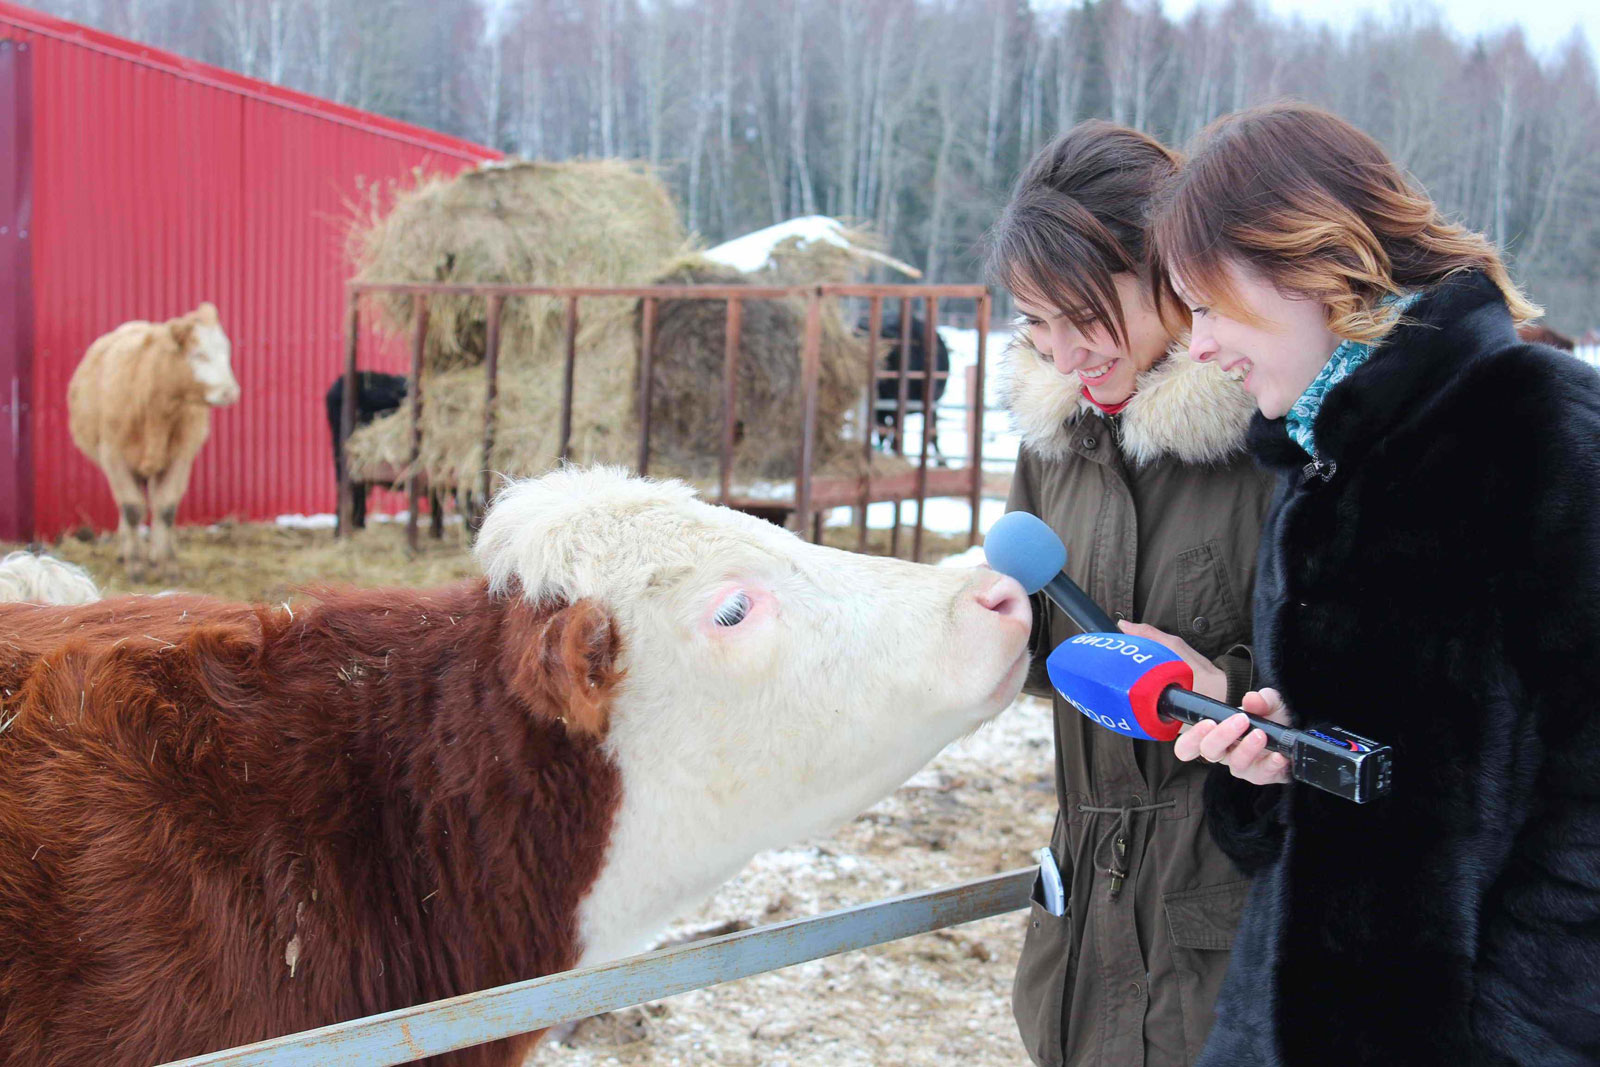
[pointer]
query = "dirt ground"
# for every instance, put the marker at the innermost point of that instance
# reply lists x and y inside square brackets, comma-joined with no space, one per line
[270,563]
[939,999]
[980,808]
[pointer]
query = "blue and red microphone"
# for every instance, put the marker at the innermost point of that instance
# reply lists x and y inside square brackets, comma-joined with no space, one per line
[1142,689]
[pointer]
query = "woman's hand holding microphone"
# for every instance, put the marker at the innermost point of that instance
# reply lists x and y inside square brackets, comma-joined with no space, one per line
[1232,741]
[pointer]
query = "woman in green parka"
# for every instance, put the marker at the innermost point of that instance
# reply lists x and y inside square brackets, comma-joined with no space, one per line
[1134,455]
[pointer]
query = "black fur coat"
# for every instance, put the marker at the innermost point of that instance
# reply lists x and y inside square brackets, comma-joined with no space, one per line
[1440,593]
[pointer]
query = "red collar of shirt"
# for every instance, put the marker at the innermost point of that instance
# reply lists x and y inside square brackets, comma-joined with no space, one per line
[1108,409]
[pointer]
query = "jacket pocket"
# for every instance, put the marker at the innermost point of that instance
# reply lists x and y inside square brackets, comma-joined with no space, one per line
[1209,613]
[1202,924]
[1039,991]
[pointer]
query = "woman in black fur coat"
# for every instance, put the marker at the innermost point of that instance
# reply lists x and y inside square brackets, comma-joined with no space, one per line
[1429,577]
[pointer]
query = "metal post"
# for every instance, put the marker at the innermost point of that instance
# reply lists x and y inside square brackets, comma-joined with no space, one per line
[568,370]
[810,365]
[491,366]
[900,409]
[930,350]
[905,372]
[347,413]
[975,403]
[730,390]
[419,311]
[869,425]
[647,342]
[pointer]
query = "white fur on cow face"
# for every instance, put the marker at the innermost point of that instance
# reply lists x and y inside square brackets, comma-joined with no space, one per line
[773,688]
[210,357]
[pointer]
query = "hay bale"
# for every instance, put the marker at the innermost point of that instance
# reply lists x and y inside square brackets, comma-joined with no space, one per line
[686,403]
[604,223]
[579,223]
[589,222]
[528,409]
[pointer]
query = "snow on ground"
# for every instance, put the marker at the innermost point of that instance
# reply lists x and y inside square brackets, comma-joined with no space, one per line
[945,515]
[972,557]
[327,520]
[981,807]
[949,515]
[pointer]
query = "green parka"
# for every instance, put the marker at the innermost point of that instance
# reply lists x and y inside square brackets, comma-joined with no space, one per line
[1160,509]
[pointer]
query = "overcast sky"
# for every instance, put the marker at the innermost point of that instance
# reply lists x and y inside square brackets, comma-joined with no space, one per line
[1547,23]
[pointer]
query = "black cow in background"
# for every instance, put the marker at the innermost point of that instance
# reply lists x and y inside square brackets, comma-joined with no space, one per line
[887,400]
[377,394]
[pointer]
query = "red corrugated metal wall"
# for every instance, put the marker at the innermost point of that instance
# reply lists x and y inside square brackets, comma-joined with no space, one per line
[159,183]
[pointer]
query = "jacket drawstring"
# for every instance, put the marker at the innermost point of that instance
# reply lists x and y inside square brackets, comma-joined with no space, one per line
[1117,869]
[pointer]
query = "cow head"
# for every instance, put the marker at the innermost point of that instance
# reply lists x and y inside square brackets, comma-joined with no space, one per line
[210,356]
[770,688]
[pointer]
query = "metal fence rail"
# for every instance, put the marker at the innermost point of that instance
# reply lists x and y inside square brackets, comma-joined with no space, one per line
[806,516]
[475,1018]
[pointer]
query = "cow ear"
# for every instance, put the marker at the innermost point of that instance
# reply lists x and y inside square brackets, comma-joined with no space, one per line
[182,329]
[564,663]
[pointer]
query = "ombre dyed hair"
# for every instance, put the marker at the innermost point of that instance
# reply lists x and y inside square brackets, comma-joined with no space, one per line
[1318,209]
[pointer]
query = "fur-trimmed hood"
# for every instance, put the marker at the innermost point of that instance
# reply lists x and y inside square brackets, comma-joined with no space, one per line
[1189,410]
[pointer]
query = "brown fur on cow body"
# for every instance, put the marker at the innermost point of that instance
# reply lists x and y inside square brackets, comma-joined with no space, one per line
[221,823]
[135,408]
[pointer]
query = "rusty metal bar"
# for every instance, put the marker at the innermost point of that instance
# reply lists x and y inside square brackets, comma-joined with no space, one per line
[975,402]
[647,344]
[347,414]
[901,404]
[688,292]
[903,400]
[730,392]
[930,351]
[626,292]
[568,371]
[942,292]
[423,1030]
[491,361]
[419,309]
[870,425]
[735,295]
[810,364]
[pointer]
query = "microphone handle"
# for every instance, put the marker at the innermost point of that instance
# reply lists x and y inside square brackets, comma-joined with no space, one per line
[1324,756]
[1185,705]
[1067,595]
[1176,703]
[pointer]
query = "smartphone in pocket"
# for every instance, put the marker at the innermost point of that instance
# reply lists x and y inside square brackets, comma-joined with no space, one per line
[1052,892]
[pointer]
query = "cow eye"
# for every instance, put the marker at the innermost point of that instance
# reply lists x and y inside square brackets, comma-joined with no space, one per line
[732,611]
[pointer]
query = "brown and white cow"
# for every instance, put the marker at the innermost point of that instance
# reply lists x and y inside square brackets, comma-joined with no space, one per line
[220,823]
[139,405]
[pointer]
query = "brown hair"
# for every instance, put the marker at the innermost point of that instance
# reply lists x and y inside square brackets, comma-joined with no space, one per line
[1076,218]
[1317,207]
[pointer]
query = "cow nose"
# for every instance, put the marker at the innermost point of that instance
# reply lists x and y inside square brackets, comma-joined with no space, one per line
[1005,597]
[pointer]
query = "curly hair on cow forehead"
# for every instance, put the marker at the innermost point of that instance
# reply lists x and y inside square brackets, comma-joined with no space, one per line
[578,532]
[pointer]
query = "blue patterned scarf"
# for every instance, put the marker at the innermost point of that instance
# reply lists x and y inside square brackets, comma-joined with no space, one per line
[1345,361]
